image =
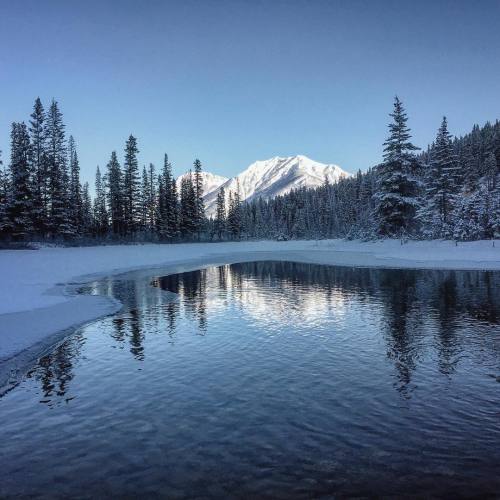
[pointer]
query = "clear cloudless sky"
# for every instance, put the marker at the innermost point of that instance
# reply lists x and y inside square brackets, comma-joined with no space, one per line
[233,81]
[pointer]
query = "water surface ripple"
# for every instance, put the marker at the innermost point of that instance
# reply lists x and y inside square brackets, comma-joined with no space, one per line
[269,380]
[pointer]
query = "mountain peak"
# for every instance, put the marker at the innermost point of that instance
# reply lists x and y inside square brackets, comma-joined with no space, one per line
[273,177]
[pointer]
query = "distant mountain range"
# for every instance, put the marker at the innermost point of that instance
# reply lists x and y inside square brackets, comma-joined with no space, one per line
[269,178]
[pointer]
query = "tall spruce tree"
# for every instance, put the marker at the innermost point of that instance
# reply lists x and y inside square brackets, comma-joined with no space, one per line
[21,202]
[40,177]
[188,208]
[75,187]
[442,182]
[397,192]
[161,215]
[115,195]
[174,211]
[87,212]
[167,203]
[152,198]
[144,201]
[198,188]
[132,189]
[234,216]
[100,211]
[148,200]
[59,221]
[220,216]
[3,200]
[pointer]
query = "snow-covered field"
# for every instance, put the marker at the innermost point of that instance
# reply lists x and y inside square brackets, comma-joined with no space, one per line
[36,306]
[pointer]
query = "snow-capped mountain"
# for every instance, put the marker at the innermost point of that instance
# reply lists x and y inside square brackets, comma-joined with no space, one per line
[274,177]
[210,182]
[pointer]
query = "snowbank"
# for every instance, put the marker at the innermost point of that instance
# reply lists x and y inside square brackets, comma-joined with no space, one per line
[36,307]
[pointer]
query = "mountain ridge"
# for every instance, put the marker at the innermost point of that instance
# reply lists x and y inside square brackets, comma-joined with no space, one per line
[269,178]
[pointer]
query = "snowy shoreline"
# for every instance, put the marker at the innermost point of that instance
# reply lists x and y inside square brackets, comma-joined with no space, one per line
[39,307]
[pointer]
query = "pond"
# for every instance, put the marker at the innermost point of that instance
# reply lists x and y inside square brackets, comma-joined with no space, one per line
[270,380]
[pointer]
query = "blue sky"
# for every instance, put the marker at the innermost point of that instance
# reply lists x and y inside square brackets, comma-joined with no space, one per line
[235,81]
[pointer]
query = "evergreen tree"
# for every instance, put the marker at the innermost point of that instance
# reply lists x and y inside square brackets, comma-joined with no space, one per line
[167,203]
[148,199]
[174,211]
[4,224]
[397,193]
[87,212]
[188,208]
[20,204]
[100,212]
[132,191]
[144,200]
[115,195]
[234,217]
[198,188]
[220,217]
[441,185]
[495,212]
[75,187]
[39,173]
[161,214]
[152,198]
[59,220]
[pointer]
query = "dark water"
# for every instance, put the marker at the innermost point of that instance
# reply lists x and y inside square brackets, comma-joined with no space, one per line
[268,380]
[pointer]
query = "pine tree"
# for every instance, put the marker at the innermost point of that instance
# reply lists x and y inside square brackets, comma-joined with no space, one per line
[495,211]
[59,220]
[198,188]
[87,215]
[234,216]
[443,185]
[132,191]
[75,187]
[100,213]
[174,211]
[20,204]
[397,193]
[152,199]
[220,217]
[40,177]
[144,201]
[188,208]
[167,203]
[148,202]
[4,225]
[115,195]
[161,214]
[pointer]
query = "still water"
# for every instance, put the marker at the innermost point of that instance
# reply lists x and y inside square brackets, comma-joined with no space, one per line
[267,379]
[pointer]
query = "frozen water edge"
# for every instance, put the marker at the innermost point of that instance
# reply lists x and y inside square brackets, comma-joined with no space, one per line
[39,308]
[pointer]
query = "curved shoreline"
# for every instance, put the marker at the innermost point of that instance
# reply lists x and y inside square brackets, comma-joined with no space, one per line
[27,335]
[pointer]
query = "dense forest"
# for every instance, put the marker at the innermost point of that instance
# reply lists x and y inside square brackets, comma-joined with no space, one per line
[451,191]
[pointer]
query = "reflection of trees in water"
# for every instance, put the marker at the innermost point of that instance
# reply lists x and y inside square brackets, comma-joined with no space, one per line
[191,287]
[413,303]
[136,336]
[55,370]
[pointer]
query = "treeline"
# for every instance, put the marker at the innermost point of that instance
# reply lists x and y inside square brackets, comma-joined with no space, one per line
[452,191]
[42,197]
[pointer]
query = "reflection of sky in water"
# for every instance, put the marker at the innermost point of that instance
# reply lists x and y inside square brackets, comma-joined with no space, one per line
[283,302]
[267,377]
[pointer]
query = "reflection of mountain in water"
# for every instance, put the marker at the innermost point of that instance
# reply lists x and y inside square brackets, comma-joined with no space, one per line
[419,313]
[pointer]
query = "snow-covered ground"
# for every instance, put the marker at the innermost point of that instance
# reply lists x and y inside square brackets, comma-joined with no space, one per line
[36,306]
